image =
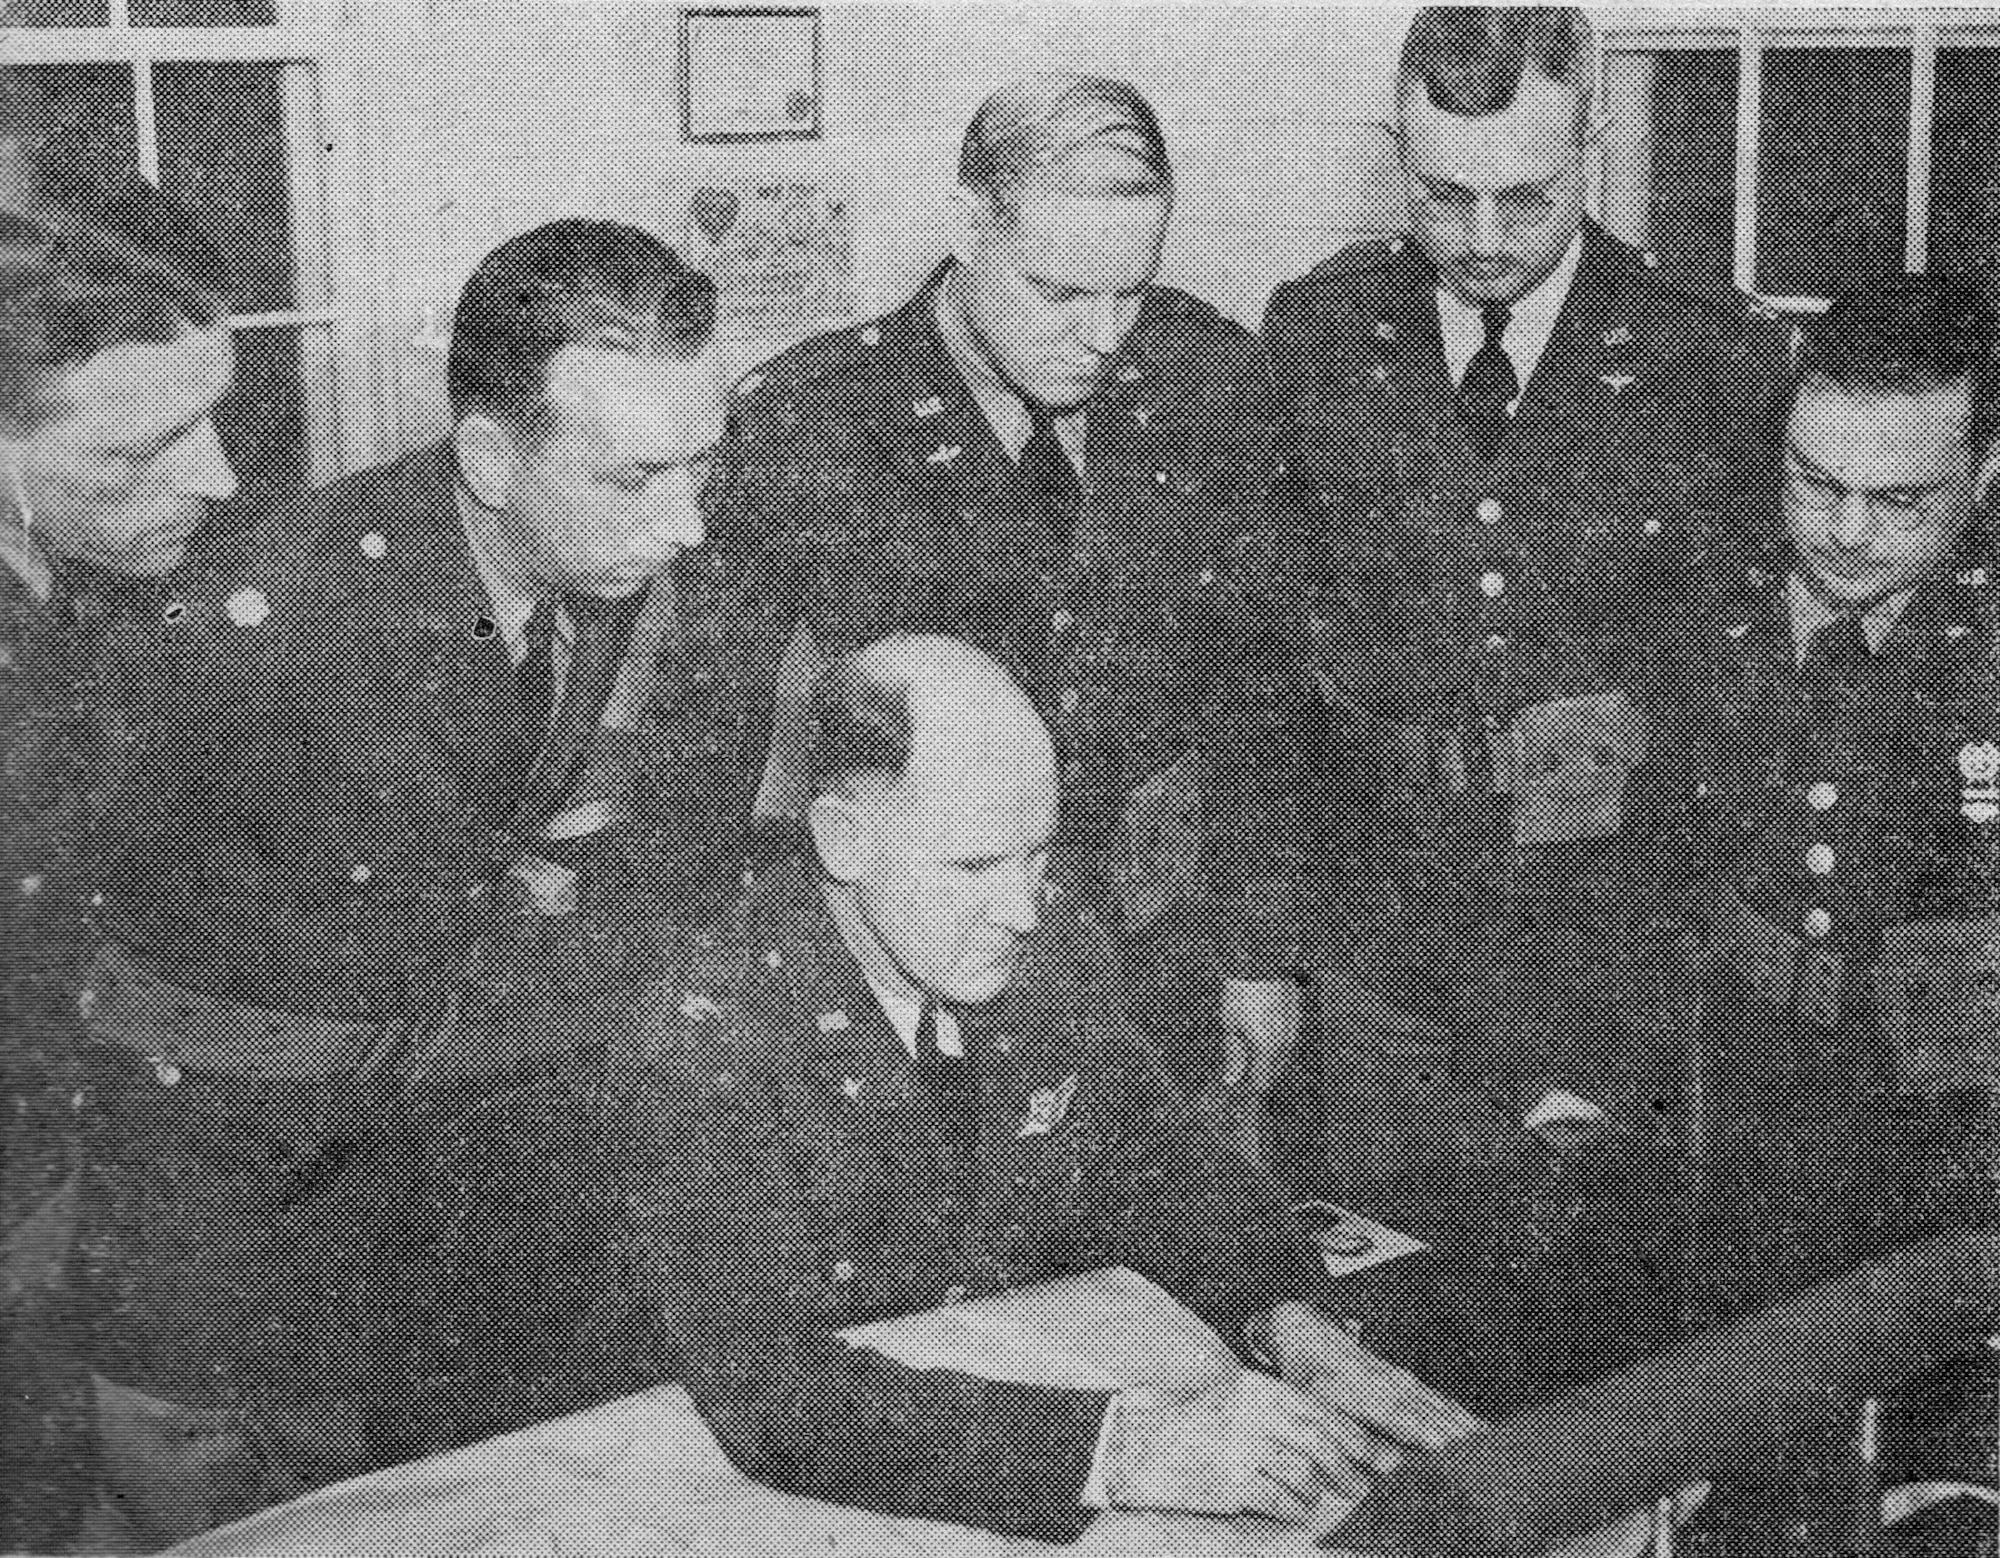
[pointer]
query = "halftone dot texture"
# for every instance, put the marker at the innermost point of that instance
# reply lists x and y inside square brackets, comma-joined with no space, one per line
[614,1138]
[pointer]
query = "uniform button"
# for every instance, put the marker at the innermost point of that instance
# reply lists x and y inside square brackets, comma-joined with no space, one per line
[1819,860]
[1818,923]
[843,1271]
[1493,584]
[1495,642]
[1490,512]
[1820,797]
[1651,527]
[1070,700]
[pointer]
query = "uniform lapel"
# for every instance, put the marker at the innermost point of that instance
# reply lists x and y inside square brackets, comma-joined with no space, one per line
[457,652]
[926,420]
[845,1081]
[1591,357]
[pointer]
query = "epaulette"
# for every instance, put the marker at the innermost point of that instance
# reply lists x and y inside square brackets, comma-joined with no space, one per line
[1715,296]
[830,355]
[1370,257]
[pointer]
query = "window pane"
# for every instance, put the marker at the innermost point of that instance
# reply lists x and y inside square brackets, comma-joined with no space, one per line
[204,13]
[263,421]
[55,13]
[1694,159]
[87,107]
[222,152]
[1965,170]
[1832,167]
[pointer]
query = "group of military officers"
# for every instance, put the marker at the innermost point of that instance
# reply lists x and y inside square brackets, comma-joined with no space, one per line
[1039,780]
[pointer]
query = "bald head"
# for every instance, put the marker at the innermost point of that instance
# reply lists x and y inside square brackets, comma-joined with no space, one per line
[935,799]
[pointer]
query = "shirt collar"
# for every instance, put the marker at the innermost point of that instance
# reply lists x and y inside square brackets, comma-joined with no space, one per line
[901,1002]
[1810,612]
[1533,320]
[25,560]
[1006,413]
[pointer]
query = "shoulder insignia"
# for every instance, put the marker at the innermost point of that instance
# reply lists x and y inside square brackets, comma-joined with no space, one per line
[1368,258]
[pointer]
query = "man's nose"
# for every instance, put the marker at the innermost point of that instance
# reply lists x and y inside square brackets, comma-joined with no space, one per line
[205,471]
[1486,229]
[1017,903]
[1099,326]
[1853,524]
[677,522]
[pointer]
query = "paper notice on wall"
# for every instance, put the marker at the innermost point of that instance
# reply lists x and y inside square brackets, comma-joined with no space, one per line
[781,256]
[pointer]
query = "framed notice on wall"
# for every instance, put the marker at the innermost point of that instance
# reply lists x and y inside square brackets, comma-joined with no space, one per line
[750,75]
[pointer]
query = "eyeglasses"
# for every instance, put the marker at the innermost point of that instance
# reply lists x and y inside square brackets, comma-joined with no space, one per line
[1523,206]
[1897,508]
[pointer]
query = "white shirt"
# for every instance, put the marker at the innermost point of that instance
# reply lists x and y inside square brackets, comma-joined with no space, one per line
[1005,411]
[1463,330]
[905,1011]
[25,560]
[1810,612]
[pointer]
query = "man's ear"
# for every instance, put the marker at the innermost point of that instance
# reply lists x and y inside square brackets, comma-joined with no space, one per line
[972,222]
[839,836]
[489,460]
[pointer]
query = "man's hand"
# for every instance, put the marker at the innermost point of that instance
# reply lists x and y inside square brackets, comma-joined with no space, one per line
[1244,1444]
[1372,1397]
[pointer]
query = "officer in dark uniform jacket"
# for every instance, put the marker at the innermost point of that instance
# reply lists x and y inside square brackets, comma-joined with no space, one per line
[362,777]
[112,359]
[1049,455]
[1504,452]
[1840,693]
[1504,468]
[880,1087]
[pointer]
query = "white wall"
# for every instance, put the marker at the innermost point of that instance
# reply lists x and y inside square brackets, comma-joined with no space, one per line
[476,119]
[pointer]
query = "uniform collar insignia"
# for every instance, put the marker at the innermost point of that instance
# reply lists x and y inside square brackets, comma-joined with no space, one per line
[1617,381]
[1047,1108]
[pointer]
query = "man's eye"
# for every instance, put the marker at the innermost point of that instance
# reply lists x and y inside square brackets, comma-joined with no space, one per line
[629,481]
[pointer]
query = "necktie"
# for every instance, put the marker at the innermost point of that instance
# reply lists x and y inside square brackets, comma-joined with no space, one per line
[535,677]
[946,1088]
[1837,661]
[602,635]
[1048,479]
[1490,385]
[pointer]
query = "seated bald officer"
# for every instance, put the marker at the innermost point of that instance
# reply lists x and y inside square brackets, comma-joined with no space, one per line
[881,1088]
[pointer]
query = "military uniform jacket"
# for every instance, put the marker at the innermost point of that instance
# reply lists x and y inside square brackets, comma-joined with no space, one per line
[1833,828]
[304,846]
[1626,450]
[317,812]
[1444,600]
[863,492]
[776,1185]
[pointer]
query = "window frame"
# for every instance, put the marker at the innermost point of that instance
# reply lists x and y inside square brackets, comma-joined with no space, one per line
[333,312]
[1751,34]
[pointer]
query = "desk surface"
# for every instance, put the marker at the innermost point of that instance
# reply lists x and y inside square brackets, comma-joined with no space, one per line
[643,1475]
